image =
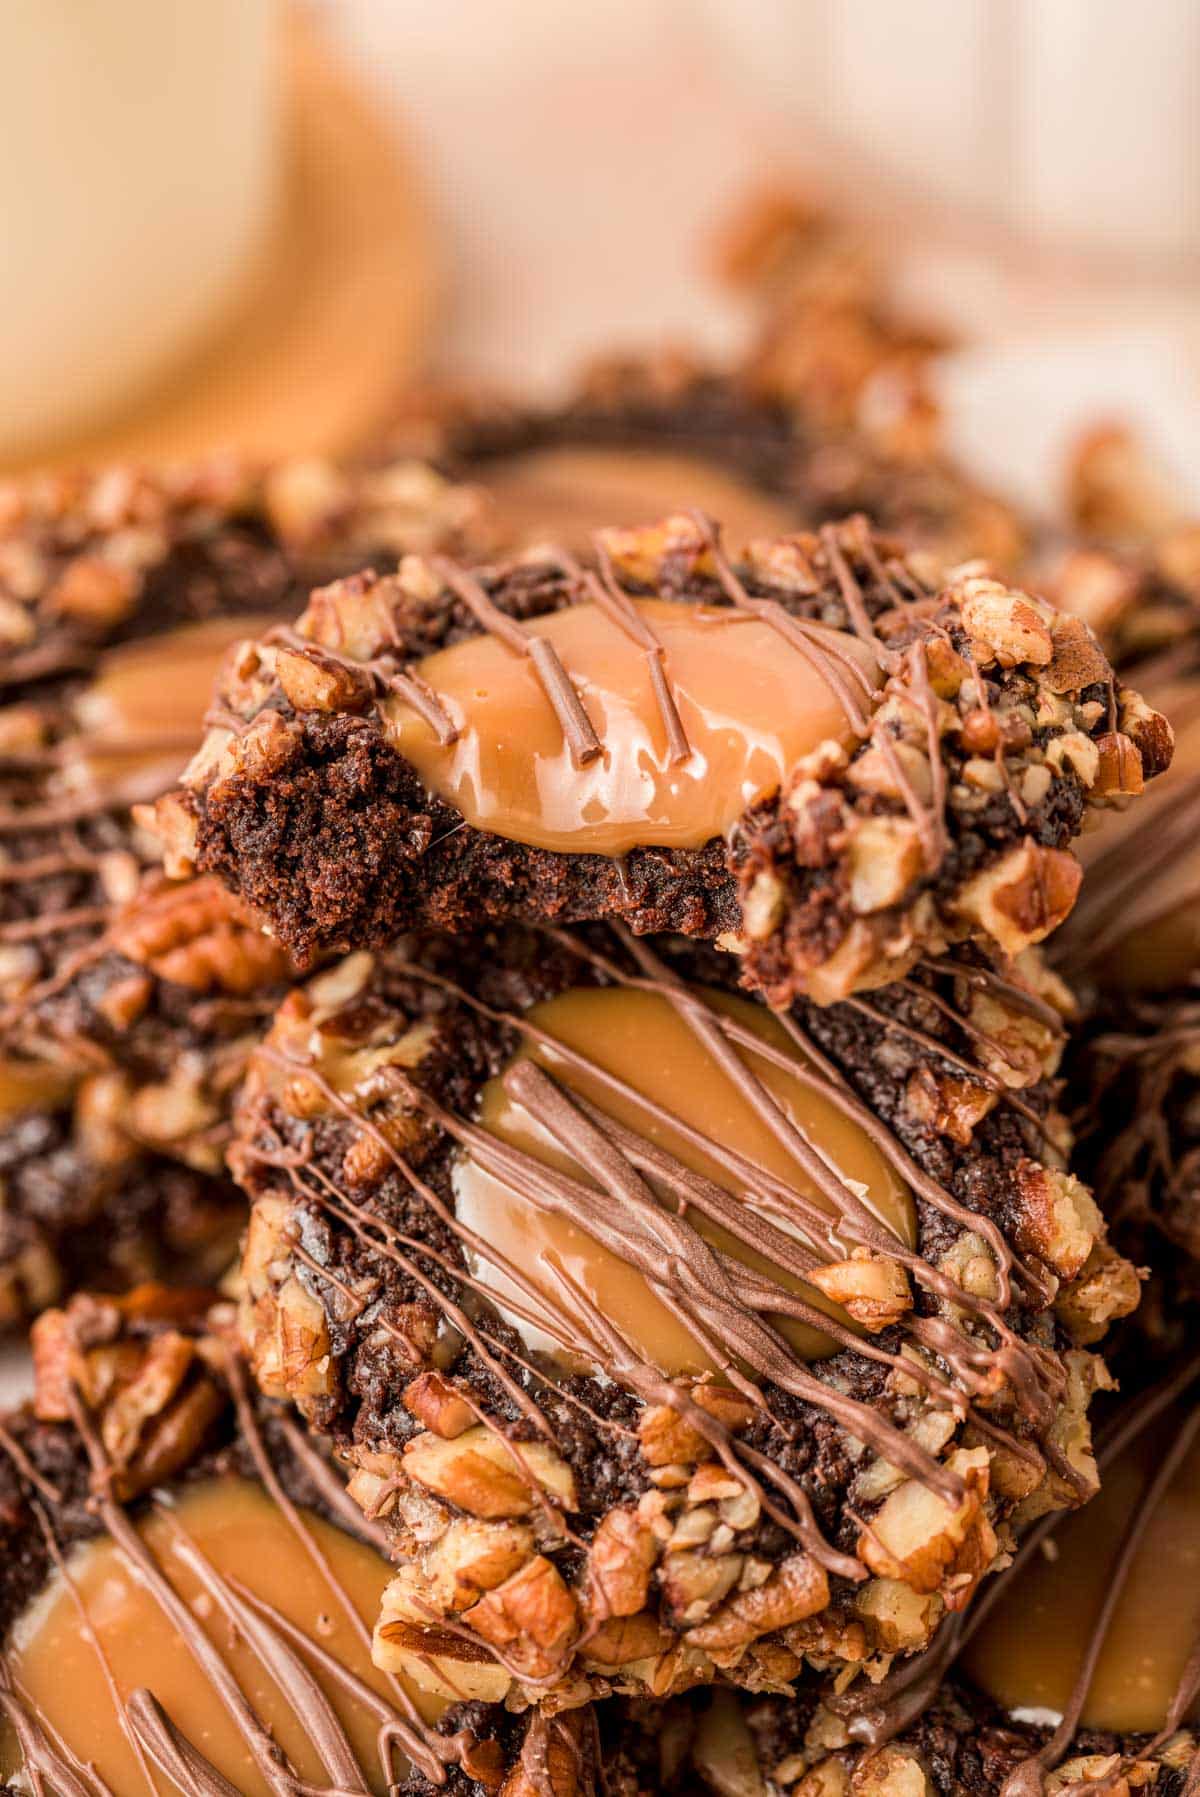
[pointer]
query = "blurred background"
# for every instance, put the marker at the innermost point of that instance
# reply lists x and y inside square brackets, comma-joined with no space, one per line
[257,223]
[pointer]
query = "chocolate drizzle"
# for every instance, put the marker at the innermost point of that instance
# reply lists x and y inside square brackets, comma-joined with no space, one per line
[283,1649]
[881,1713]
[577,728]
[725,1306]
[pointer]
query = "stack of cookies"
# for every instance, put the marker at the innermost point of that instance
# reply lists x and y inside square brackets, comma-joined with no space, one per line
[579,1153]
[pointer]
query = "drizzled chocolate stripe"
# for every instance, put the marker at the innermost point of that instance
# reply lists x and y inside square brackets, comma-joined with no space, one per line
[577,728]
[883,1712]
[722,1304]
[281,1648]
[616,604]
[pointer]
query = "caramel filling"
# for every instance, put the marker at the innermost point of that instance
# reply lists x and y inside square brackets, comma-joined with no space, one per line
[70,1672]
[642,1039]
[566,495]
[1028,1653]
[750,702]
[33,1086]
[145,709]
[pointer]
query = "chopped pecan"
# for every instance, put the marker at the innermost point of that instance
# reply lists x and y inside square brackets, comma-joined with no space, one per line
[891,1772]
[314,682]
[667,1438]
[480,1472]
[871,1287]
[1005,625]
[470,1558]
[1022,895]
[434,1402]
[1056,1217]
[798,1589]
[199,936]
[916,1537]
[438,1661]
[532,1616]
[620,1560]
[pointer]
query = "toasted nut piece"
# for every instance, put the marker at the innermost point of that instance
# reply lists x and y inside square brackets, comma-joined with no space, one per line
[667,1438]
[264,748]
[712,1482]
[532,1616]
[313,682]
[693,1584]
[885,858]
[639,554]
[551,1761]
[1056,1217]
[1102,1769]
[171,1440]
[1148,729]
[1023,895]
[471,1557]
[164,1365]
[873,771]
[901,1620]
[799,1589]
[829,1778]
[1006,623]
[1120,765]
[435,1660]
[918,1538]
[949,1106]
[623,1639]
[354,616]
[434,1402]
[621,1558]
[871,1287]
[1078,659]
[890,1772]
[1108,1287]
[172,822]
[94,590]
[199,936]
[763,905]
[305,1369]
[480,1473]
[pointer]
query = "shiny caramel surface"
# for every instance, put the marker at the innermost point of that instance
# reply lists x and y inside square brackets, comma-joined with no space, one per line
[61,1672]
[565,495]
[1029,1650]
[33,1086]
[751,705]
[145,708]
[640,1037]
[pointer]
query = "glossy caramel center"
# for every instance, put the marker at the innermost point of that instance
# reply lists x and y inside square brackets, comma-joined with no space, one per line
[566,495]
[60,1673]
[144,711]
[33,1086]
[751,705]
[640,1037]
[1028,1653]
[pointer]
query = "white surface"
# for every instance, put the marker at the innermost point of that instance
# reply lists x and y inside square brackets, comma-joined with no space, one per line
[136,175]
[579,159]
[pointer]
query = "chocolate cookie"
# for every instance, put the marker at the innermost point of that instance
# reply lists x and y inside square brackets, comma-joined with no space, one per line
[673,1338]
[187,1588]
[1076,1670]
[816,756]
[642,437]
[82,1203]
